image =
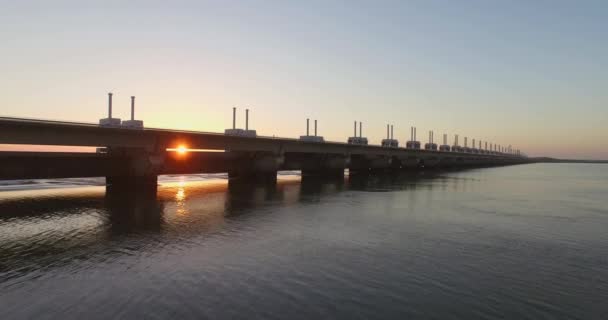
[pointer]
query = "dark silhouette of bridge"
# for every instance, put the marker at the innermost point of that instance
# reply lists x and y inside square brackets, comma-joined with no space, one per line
[136,156]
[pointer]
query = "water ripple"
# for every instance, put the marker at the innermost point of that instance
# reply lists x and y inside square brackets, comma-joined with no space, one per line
[522,242]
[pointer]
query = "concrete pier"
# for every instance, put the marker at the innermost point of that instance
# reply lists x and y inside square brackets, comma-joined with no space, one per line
[363,163]
[317,165]
[260,166]
[139,169]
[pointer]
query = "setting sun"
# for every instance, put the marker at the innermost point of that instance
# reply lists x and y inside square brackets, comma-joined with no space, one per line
[182,149]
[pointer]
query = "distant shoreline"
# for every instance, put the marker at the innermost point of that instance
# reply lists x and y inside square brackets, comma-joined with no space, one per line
[552,160]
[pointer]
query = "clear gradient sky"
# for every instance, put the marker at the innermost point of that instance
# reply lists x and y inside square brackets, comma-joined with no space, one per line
[533,74]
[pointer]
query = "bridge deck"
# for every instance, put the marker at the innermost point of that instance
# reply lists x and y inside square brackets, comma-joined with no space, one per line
[256,154]
[39,132]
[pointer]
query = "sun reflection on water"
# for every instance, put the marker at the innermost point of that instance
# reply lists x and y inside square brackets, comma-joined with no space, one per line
[180,198]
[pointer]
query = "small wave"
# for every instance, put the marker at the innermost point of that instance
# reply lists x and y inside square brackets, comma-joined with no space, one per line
[32,184]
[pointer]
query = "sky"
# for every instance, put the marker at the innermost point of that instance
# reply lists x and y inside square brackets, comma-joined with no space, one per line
[532,74]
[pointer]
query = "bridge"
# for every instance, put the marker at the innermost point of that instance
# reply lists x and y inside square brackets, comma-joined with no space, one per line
[137,156]
[132,156]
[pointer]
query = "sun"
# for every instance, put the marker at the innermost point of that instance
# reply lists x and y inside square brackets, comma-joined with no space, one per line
[181,149]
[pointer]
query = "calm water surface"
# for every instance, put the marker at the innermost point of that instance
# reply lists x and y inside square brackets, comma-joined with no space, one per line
[520,242]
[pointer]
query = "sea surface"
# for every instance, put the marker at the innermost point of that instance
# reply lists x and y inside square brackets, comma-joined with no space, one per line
[516,242]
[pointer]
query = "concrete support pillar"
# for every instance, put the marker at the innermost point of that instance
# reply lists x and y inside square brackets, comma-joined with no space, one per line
[359,163]
[140,185]
[410,162]
[380,163]
[446,162]
[430,162]
[323,172]
[136,171]
[362,163]
[395,164]
[259,166]
[323,165]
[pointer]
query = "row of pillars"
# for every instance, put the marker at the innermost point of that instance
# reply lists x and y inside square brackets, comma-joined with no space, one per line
[139,168]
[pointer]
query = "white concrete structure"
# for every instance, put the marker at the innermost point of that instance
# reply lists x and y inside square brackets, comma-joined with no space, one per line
[240,132]
[445,146]
[360,140]
[412,143]
[389,142]
[308,137]
[133,124]
[109,121]
[431,145]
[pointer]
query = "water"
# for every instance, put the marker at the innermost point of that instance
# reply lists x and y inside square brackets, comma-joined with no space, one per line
[519,242]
